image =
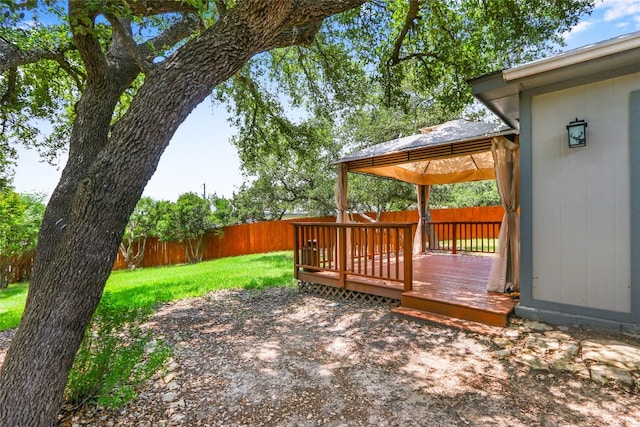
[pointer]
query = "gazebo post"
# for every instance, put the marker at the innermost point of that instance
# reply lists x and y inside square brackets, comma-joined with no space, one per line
[342,185]
[344,235]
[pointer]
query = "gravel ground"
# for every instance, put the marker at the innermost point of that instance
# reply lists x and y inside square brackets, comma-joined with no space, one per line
[281,357]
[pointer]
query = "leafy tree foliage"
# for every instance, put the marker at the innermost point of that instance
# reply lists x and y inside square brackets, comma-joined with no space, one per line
[370,196]
[248,205]
[20,217]
[189,221]
[468,194]
[370,76]
[142,224]
[290,166]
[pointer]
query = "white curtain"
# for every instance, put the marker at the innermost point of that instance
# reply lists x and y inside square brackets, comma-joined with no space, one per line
[423,205]
[505,271]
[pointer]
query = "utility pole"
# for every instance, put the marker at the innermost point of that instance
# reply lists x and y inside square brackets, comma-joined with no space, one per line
[204,191]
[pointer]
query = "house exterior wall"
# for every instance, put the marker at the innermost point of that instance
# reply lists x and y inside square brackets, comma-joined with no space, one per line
[578,207]
[580,196]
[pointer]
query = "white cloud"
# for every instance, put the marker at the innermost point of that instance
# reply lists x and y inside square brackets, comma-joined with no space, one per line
[580,27]
[617,9]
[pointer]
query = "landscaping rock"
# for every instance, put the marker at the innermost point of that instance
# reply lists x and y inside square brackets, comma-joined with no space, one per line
[532,361]
[541,344]
[502,342]
[169,397]
[501,354]
[537,326]
[604,374]
[512,333]
[557,335]
[612,353]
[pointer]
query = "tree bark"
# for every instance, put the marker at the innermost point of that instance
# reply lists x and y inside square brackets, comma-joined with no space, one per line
[107,171]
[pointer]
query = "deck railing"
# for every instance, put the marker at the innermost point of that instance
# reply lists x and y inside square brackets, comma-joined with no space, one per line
[372,250]
[471,236]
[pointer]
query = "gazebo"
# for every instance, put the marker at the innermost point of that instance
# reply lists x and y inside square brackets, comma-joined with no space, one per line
[351,257]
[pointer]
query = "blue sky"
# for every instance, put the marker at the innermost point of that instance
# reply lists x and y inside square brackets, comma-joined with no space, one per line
[200,152]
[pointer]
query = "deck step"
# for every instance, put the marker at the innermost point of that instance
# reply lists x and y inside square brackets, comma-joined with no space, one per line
[451,322]
[489,313]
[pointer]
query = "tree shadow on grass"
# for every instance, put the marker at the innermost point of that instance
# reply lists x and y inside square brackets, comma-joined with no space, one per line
[277,259]
[13,290]
[260,283]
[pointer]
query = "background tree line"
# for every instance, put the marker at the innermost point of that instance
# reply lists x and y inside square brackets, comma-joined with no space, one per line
[191,219]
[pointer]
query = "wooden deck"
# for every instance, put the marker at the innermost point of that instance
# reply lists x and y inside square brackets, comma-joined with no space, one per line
[443,284]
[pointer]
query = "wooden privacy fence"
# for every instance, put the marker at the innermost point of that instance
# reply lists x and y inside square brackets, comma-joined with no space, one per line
[17,269]
[270,236]
[241,239]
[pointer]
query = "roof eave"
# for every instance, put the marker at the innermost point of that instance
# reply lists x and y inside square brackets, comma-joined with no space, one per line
[500,91]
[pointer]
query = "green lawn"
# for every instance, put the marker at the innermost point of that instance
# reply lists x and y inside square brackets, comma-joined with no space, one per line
[150,286]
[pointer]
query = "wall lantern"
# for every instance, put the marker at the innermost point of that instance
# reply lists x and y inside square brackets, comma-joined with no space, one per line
[577,130]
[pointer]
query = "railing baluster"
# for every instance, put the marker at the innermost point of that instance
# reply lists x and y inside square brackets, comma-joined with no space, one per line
[379,234]
[342,252]
[408,260]
[397,252]
[388,253]
[326,247]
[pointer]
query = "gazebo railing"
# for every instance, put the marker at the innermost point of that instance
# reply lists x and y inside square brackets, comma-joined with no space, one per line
[370,251]
[462,236]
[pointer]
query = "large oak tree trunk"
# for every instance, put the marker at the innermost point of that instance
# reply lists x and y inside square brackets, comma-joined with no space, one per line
[106,173]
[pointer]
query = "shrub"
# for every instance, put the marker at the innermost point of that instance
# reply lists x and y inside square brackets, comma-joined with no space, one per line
[115,357]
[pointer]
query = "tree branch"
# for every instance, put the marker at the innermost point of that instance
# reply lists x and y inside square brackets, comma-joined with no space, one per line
[88,46]
[303,35]
[76,75]
[127,39]
[412,14]
[299,21]
[172,35]
[157,7]
[11,56]
[221,6]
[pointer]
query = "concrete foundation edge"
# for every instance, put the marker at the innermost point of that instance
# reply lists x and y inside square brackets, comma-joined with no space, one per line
[564,319]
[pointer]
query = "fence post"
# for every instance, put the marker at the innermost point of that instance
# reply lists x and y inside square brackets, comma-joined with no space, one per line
[408,258]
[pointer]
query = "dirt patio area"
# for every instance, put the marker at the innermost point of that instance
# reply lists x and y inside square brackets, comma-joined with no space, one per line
[285,358]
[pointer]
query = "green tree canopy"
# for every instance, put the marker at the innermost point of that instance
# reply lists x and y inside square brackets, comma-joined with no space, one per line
[372,75]
[20,217]
[143,223]
[189,221]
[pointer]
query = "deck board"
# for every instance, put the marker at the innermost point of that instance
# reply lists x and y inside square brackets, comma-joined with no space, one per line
[447,284]
[458,279]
